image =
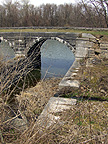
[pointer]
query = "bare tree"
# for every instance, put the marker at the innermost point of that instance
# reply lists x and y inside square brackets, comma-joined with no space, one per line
[86,13]
[100,7]
[2,16]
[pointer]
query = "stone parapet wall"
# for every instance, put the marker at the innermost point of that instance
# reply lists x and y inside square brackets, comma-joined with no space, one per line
[104,49]
[89,46]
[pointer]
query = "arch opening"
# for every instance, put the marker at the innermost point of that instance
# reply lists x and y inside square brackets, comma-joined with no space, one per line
[56,59]
[52,55]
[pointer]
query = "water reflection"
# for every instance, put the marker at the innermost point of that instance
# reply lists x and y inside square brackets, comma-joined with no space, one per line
[56,59]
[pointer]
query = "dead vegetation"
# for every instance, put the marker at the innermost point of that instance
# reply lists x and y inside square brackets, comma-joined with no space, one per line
[33,100]
[85,123]
[94,80]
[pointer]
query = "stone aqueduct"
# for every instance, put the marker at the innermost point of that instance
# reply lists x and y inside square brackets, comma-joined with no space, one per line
[29,44]
[26,42]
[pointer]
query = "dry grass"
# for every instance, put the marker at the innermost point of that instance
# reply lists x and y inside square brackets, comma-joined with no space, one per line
[96,33]
[94,81]
[33,100]
[86,122]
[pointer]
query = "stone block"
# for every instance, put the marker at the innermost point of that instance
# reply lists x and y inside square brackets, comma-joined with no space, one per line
[57,104]
[104,46]
[82,39]
[73,83]
[84,44]
[87,35]
[104,54]
[54,105]
[91,53]
[81,52]
[69,83]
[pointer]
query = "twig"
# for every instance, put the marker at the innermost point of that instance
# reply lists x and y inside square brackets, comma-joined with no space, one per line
[2,141]
[11,119]
[95,137]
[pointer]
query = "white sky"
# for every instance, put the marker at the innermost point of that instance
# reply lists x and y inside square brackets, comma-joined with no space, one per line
[39,2]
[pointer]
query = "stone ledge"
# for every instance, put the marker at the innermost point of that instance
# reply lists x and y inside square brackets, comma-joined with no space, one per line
[54,105]
[68,80]
[69,83]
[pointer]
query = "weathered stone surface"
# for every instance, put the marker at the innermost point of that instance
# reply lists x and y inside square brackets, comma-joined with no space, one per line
[81,52]
[104,45]
[54,105]
[91,53]
[68,80]
[103,48]
[88,35]
[73,74]
[73,83]
[29,39]
[104,54]
[97,51]
[83,43]
[89,62]
[58,104]
[19,123]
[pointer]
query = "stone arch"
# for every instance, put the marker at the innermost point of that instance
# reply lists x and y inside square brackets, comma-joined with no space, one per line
[37,42]
[33,44]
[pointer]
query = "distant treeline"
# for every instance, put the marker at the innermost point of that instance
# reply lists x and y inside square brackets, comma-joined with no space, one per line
[83,14]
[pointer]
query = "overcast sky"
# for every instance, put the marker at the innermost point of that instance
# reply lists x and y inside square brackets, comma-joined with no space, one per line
[39,2]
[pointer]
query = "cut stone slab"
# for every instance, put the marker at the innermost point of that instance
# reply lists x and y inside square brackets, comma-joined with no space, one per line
[73,83]
[75,70]
[81,52]
[73,74]
[87,35]
[68,79]
[69,83]
[58,104]
[54,105]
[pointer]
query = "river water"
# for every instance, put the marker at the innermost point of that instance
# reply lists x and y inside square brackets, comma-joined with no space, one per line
[56,58]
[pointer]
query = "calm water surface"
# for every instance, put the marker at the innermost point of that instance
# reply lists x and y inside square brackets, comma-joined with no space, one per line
[56,59]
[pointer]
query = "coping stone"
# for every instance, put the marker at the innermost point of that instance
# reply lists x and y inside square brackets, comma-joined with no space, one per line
[54,105]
